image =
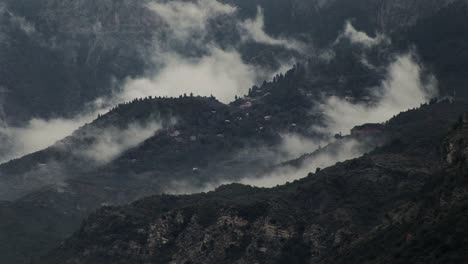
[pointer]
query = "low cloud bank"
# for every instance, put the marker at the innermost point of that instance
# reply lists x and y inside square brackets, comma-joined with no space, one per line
[38,134]
[93,146]
[346,150]
[294,145]
[322,158]
[404,88]
[212,70]
[220,73]
[111,141]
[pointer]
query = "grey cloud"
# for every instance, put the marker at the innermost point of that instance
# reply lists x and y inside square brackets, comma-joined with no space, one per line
[403,88]
[188,20]
[108,143]
[254,30]
[220,73]
[38,134]
[347,150]
[360,37]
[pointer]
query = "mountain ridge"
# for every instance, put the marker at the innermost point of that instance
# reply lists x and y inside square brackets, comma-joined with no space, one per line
[265,224]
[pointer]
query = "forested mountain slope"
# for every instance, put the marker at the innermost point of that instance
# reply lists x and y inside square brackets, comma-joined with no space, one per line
[315,219]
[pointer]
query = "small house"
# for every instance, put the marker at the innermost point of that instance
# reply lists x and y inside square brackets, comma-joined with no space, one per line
[246,105]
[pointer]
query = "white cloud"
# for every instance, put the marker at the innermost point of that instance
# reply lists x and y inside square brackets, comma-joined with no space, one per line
[254,29]
[219,73]
[216,71]
[38,134]
[184,187]
[402,89]
[111,141]
[295,145]
[188,20]
[360,37]
[23,24]
[347,150]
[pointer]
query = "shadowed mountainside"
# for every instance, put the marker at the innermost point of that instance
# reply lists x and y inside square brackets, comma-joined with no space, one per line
[315,219]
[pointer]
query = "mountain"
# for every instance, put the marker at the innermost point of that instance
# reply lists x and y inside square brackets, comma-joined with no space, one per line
[430,228]
[318,219]
[59,186]
[349,63]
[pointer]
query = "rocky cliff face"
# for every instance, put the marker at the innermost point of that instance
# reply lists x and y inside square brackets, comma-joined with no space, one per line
[431,228]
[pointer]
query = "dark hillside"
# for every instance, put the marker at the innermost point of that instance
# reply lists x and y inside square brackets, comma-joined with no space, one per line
[209,142]
[314,219]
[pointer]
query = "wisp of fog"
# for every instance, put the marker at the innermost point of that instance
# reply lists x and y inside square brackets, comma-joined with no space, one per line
[359,37]
[111,141]
[402,89]
[287,173]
